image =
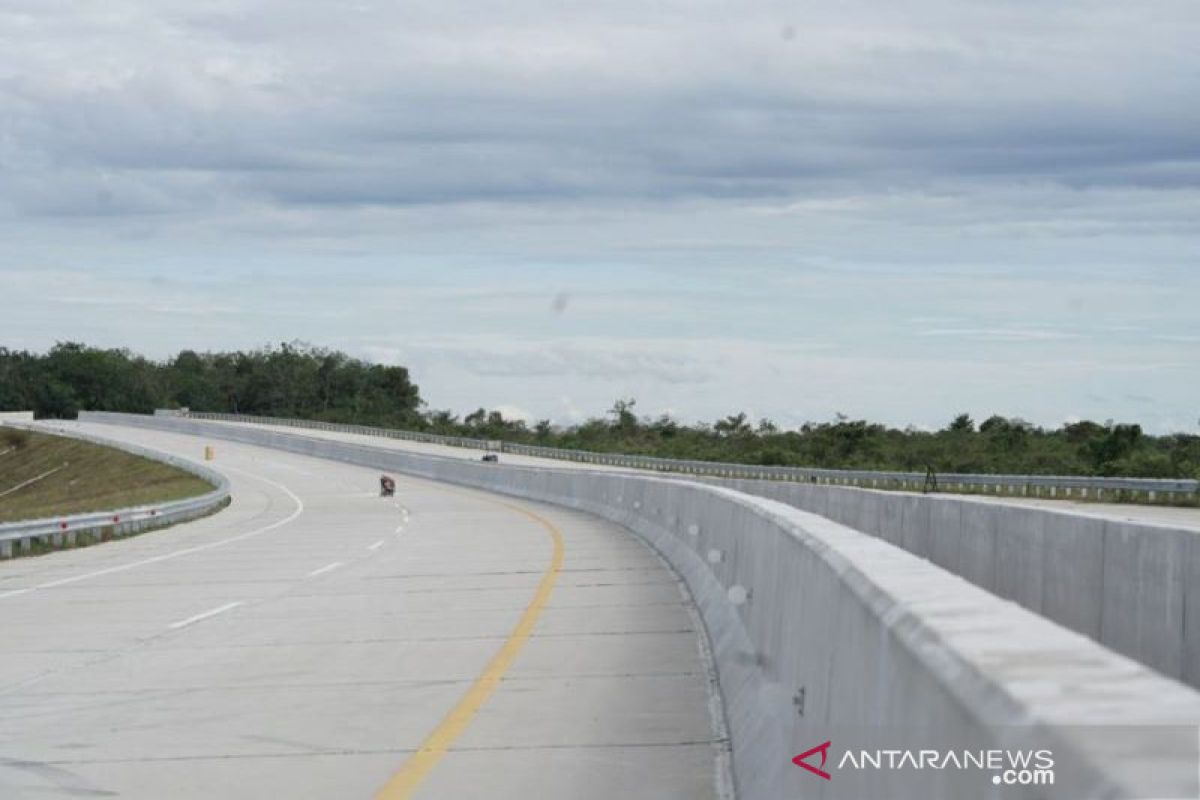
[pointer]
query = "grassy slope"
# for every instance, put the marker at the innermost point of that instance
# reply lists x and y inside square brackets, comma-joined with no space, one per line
[95,479]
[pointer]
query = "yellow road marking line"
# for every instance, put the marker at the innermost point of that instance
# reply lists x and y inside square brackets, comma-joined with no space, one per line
[419,764]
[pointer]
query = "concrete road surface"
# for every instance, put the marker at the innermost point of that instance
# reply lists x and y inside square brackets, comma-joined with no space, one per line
[426,448]
[309,640]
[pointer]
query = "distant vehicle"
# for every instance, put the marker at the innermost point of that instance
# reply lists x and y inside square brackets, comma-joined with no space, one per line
[387,486]
[491,458]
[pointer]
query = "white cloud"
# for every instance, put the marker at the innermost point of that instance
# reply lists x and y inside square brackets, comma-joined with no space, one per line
[907,211]
[515,413]
[1022,334]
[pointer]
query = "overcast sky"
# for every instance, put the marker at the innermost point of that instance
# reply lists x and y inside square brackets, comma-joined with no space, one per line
[892,210]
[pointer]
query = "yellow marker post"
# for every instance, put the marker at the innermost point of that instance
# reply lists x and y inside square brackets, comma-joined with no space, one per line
[209,452]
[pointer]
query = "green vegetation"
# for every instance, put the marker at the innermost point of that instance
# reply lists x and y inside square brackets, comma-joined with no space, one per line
[67,476]
[997,446]
[295,380]
[292,380]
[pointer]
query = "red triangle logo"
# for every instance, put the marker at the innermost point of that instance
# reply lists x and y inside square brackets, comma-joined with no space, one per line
[823,749]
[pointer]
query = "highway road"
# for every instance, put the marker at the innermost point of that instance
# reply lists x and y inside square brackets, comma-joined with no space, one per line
[427,448]
[1173,516]
[315,640]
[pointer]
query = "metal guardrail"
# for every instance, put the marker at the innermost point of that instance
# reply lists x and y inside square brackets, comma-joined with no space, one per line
[56,531]
[1066,486]
[878,479]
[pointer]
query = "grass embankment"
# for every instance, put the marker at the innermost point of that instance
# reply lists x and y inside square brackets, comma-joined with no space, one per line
[67,476]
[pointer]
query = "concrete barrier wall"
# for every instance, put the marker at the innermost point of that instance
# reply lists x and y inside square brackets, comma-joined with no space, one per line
[818,630]
[1127,585]
[16,416]
[1094,487]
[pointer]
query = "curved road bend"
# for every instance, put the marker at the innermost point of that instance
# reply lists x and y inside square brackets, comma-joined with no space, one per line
[316,641]
[1171,516]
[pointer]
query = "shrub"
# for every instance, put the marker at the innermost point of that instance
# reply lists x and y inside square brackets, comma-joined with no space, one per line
[14,438]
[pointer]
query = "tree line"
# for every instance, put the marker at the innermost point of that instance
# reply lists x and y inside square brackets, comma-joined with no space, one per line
[306,382]
[290,380]
[997,445]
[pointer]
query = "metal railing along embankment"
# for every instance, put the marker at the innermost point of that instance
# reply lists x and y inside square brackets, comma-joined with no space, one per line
[102,525]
